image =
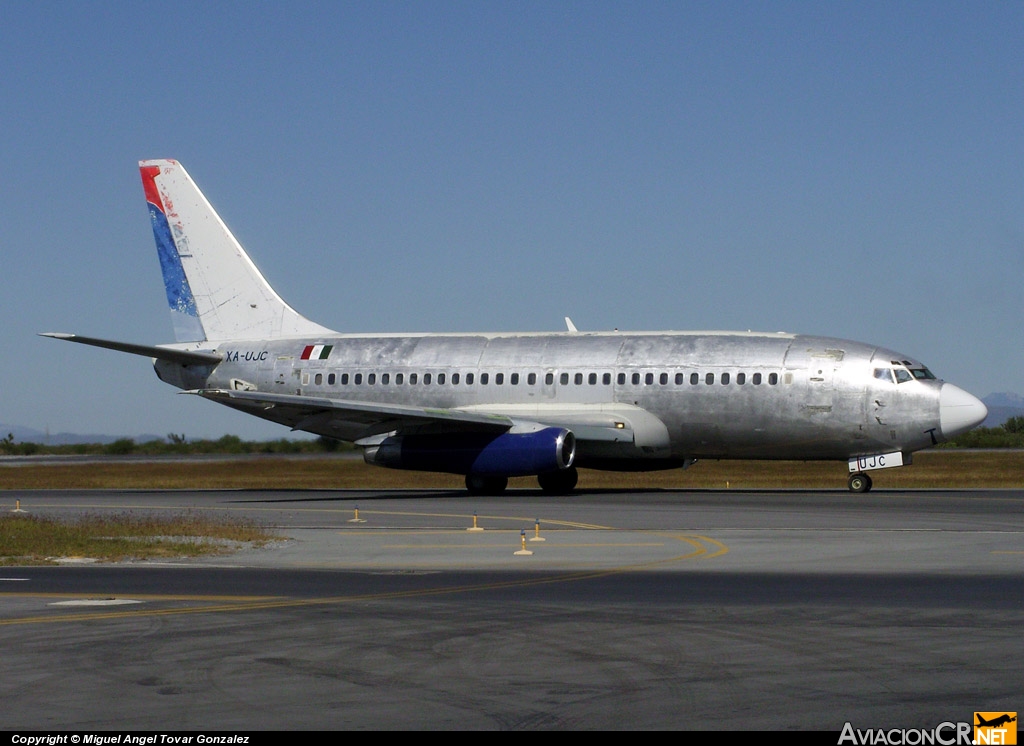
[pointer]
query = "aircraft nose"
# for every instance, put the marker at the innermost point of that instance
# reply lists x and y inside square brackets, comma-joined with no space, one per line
[958,410]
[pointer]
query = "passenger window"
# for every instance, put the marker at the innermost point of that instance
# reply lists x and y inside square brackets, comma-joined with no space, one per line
[331,378]
[725,379]
[621,378]
[426,379]
[358,379]
[318,379]
[694,379]
[592,379]
[663,379]
[606,379]
[385,379]
[371,379]
[531,379]
[413,377]
[741,378]
[499,378]
[469,379]
[578,379]
[344,379]
[636,379]
[514,379]
[399,379]
[440,378]
[756,379]
[709,378]
[484,378]
[563,379]
[773,378]
[649,379]
[549,378]
[455,379]
[679,379]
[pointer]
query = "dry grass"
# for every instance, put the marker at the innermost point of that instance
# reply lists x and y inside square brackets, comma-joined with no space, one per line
[32,540]
[931,469]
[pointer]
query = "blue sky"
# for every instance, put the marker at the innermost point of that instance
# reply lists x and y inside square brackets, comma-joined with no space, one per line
[848,169]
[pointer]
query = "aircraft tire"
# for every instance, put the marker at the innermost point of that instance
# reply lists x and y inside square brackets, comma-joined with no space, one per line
[481,485]
[559,482]
[859,482]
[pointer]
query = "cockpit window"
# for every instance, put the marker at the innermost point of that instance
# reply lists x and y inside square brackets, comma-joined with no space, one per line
[902,375]
[883,374]
[922,374]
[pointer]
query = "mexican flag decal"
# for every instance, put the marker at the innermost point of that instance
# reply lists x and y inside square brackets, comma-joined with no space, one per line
[316,352]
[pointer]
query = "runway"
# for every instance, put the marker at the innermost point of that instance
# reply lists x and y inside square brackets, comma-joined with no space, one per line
[657,609]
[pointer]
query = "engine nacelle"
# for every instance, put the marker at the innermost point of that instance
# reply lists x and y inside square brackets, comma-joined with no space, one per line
[506,454]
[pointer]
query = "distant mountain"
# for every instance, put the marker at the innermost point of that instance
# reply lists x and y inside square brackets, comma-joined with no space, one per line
[1001,407]
[24,434]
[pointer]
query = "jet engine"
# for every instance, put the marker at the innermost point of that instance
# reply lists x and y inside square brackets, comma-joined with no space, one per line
[509,454]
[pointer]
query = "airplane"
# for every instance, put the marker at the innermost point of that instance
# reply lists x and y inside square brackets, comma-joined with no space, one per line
[490,406]
[995,722]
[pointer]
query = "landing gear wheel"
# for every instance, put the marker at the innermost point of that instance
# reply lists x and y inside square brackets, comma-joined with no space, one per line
[558,482]
[859,482]
[481,485]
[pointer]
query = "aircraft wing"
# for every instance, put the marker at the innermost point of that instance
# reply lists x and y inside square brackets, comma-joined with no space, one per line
[356,420]
[353,420]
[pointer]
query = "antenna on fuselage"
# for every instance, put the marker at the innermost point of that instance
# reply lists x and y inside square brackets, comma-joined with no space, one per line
[569,325]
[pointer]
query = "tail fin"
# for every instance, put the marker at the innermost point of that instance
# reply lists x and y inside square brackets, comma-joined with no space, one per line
[214,290]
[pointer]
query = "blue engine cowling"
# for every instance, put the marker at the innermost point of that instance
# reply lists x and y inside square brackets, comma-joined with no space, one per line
[505,454]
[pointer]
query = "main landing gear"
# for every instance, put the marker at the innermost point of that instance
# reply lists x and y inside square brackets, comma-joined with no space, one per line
[859,482]
[559,482]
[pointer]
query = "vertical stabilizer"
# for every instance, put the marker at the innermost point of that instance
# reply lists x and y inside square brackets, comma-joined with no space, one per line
[214,290]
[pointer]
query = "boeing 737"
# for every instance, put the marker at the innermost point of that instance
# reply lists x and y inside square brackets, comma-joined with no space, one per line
[496,405]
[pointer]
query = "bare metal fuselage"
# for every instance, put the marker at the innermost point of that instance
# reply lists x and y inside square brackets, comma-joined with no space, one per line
[676,395]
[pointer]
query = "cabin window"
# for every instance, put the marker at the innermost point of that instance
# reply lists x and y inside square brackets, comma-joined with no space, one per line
[455,379]
[371,379]
[485,378]
[331,379]
[426,379]
[564,379]
[358,379]
[773,378]
[413,378]
[399,379]
[344,379]
[725,379]
[694,379]
[440,378]
[741,378]
[679,379]
[578,379]
[756,379]
[606,379]
[531,379]
[385,379]
[636,379]
[318,379]
[621,379]
[499,378]
[514,379]
[709,378]
[469,379]
[663,379]
[592,379]
[549,378]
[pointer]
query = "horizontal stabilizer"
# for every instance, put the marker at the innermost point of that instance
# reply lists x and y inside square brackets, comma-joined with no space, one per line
[171,354]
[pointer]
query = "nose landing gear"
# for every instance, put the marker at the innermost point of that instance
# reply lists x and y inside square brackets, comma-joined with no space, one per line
[859,482]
